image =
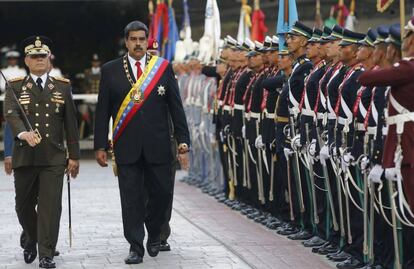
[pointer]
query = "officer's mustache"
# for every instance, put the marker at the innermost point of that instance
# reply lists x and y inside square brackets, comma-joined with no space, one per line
[138,48]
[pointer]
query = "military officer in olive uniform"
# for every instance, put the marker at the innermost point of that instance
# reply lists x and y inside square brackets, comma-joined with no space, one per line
[44,113]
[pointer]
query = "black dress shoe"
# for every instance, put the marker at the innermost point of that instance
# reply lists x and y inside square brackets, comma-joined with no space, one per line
[317,248]
[47,262]
[350,263]
[57,253]
[22,239]
[287,230]
[153,247]
[328,249]
[339,256]
[29,254]
[302,235]
[133,258]
[164,246]
[315,241]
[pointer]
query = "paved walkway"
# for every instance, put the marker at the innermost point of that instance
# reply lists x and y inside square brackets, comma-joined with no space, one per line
[205,234]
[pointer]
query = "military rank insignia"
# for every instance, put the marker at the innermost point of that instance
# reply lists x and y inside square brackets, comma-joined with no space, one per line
[161,90]
[57,99]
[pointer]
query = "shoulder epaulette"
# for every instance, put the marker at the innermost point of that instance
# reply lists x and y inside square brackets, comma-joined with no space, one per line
[16,79]
[62,79]
[359,68]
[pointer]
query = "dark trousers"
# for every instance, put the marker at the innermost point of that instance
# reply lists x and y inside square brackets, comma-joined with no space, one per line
[39,186]
[135,180]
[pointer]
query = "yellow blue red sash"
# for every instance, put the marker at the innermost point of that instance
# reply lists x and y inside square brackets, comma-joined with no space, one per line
[133,101]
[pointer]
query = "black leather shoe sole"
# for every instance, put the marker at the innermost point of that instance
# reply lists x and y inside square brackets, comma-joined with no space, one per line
[133,258]
[153,248]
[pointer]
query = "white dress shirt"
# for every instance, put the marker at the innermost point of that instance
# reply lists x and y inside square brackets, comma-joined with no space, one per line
[43,77]
[132,61]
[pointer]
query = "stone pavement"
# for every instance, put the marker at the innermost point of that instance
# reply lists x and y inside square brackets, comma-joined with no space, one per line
[205,234]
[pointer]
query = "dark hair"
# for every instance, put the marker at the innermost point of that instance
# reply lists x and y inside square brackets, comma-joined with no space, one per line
[135,26]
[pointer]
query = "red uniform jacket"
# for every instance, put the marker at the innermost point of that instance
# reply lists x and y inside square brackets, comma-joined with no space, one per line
[401,79]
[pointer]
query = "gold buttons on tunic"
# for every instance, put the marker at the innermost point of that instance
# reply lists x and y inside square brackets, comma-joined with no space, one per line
[47,124]
[37,105]
[47,135]
[37,124]
[47,114]
[47,105]
[37,114]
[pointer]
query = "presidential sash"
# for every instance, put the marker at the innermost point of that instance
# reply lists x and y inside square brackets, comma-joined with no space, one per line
[138,94]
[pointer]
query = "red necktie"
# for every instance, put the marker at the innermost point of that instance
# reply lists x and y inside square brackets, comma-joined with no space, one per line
[139,70]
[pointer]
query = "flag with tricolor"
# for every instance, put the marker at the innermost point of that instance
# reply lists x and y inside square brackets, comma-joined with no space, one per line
[169,50]
[244,22]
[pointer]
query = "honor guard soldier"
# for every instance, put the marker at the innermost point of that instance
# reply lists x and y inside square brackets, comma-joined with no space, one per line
[40,110]
[12,69]
[398,150]
[297,40]
[347,94]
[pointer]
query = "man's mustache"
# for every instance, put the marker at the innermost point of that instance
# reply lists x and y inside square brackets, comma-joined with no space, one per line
[138,48]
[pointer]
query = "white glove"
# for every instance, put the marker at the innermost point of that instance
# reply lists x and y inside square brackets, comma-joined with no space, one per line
[365,163]
[259,142]
[324,153]
[346,161]
[221,137]
[244,131]
[376,173]
[288,152]
[392,174]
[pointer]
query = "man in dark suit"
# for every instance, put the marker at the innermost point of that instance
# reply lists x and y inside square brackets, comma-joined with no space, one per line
[138,91]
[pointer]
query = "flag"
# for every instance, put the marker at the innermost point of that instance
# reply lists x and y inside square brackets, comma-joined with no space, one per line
[382,5]
[258,24]
[245,22]
[161,25]
[351,19]
[151,16]
[209,43]
[288,15]
[185,32]
[169,50]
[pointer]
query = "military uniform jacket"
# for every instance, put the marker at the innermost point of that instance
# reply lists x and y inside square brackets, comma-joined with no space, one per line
[273,86]
[254,106]
[147,133]
[238,108]
[282,116]
[301,69]
[52,112]
[400,78]
[91,81]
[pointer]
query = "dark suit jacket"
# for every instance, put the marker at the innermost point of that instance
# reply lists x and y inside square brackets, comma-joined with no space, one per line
[147,134]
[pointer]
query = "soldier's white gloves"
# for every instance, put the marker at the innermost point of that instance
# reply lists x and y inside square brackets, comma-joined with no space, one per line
[288,152]
[392,174]
[346,161]
[324,153]
[259,142]
[244,131]
[376,173]
[364,163]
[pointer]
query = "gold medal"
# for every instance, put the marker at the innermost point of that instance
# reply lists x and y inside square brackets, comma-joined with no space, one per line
[136,96]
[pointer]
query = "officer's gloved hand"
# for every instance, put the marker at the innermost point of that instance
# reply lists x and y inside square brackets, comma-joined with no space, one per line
[346,161]
[288,152]
[244,131]
[392,174]
[259,142]
[376,173]
[324,153]
[364,163]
